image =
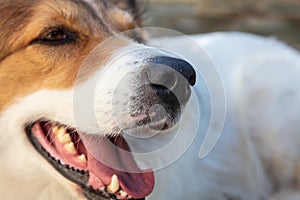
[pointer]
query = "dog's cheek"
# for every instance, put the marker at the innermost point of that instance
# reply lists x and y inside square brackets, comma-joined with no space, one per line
[49,68]
[19,156]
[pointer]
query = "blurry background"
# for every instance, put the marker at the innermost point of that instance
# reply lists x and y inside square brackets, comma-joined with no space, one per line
[278,18]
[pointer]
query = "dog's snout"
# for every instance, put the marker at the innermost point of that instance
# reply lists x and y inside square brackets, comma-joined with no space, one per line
[160,71]
[167,74]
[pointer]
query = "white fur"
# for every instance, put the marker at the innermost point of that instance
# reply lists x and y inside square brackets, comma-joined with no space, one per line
[257,155]
[258,148]
[22,168]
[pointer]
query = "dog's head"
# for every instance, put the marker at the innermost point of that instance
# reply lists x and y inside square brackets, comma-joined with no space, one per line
[51,51]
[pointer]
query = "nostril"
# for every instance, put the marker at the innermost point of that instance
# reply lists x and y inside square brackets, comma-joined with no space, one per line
[161,91]
[157,87]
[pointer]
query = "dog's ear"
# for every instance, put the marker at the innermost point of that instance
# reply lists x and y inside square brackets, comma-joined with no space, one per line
[131,6]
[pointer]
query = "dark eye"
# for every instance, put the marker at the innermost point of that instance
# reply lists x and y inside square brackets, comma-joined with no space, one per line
[56,36]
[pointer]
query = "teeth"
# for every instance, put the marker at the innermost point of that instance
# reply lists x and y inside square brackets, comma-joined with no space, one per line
[61,130]
[55,129]
[63,136]
[70,147]
[66,138]
[82,158]
[123,194]
[114,185]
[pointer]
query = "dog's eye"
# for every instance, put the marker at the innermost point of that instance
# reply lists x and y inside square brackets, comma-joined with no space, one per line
[56,36]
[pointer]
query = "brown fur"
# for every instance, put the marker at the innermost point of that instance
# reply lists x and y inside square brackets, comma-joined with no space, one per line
[26,66]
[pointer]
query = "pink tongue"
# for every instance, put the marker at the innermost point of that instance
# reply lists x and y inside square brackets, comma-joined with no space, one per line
[106,159]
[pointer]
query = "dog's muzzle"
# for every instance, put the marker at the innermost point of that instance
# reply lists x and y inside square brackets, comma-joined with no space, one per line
[140,87]
[143,89]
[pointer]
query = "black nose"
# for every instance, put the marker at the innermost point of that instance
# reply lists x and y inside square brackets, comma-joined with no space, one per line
[167,73]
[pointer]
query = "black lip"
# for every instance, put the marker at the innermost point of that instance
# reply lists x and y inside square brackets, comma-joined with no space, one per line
[79,177]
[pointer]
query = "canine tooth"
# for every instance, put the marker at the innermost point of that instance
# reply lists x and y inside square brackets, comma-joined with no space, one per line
[123,194]
[114,185]
[82,158]
[70,147]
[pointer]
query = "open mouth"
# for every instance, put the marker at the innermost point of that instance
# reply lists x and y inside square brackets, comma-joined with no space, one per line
[64,148]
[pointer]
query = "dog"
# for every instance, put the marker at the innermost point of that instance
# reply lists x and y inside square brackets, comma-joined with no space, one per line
[73,86]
